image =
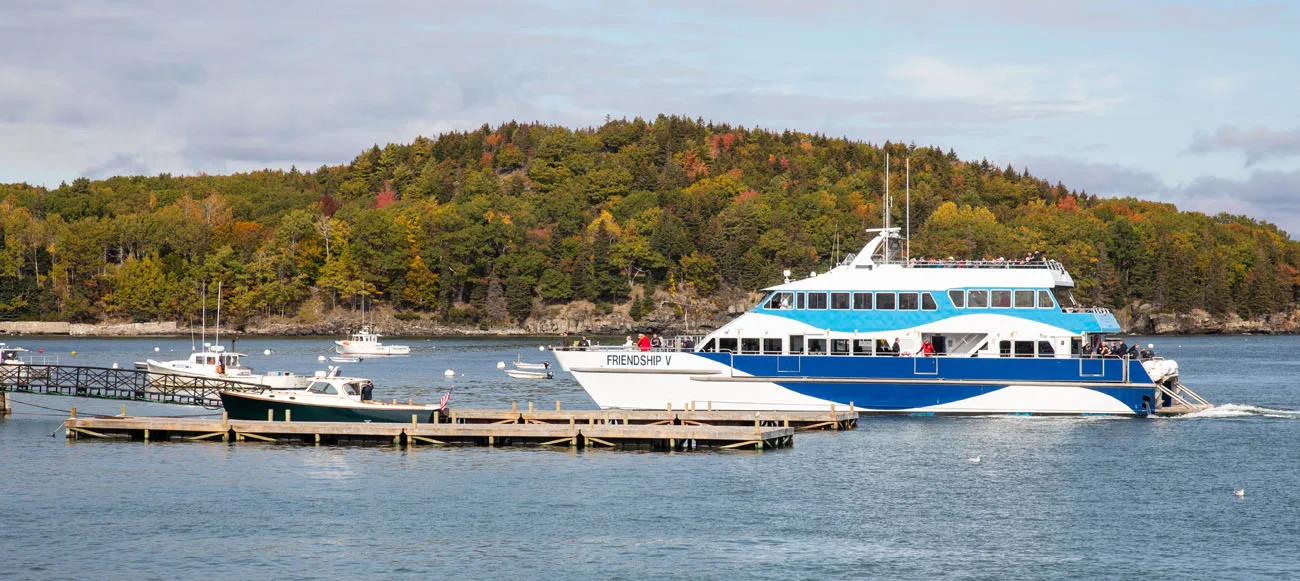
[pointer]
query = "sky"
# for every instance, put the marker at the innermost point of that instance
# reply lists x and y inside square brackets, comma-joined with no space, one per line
[1194,103]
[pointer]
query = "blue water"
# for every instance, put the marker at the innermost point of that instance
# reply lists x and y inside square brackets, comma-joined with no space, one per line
[1051,497]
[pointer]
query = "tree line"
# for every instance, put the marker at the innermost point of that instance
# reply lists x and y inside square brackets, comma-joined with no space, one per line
[484,227]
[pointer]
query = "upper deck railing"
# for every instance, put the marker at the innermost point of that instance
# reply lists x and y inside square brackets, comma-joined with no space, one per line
[1048,264]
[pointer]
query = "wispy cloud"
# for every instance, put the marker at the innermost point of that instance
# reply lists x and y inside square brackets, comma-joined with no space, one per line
[1258,143]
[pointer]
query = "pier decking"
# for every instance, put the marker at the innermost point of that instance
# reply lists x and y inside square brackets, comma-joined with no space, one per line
[570,433]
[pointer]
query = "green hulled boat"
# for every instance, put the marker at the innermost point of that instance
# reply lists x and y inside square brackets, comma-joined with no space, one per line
[325,400]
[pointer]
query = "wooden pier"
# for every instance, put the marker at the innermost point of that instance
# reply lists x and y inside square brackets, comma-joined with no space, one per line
[832,419]
[568,434]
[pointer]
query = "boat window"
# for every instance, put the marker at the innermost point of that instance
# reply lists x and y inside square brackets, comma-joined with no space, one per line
[862,346]
[781,300]
[839,300]
[907,301]
[977,299]
[883,348]
[816,300]
[862,301]
[1001,299]
[1064,297]
[1076,345]
[352,389]
[839,346]
[1045,300]
[749,345]
[708,347]
[727,345]
[1004,348]
[796,344]
[958,298]
[927,302]
[1024,299]
[772,346]
[1045,349]
[816,346]
[800,301]
[1024,348]
[885,301]
[318,387]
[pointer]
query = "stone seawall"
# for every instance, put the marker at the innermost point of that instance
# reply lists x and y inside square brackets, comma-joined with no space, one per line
[85,330]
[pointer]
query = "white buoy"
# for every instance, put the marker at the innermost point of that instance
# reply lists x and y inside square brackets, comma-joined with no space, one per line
[266,352]
[321,358]
[501,365]
[541,348]
[449,373]
[114,365]
[975,460]
[1240,492]
[155,349]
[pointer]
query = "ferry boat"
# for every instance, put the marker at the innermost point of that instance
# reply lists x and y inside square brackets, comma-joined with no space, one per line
[366,342]
[1004,337]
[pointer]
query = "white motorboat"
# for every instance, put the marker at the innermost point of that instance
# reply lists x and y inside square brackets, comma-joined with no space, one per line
[217,363]
[529,374]
[345,359]
[366,342]
[521,364]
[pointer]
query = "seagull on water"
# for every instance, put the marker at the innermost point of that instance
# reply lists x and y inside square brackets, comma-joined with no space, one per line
[975,460]
[1240,492]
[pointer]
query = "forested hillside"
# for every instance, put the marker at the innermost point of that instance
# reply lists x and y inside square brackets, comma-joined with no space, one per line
[485,226]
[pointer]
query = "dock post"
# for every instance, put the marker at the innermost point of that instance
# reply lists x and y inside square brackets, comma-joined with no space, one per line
[557,405]
[414,420]
[146,435]
[317,439]
[492,441]
[710,404]
[514,407]
[74,412]
[124,410]
[4,404]
[530,407]
[286,415]
[270,415]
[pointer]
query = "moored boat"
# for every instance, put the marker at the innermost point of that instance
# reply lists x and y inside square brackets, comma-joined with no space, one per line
[366,342]
[217,363]
[529,374]
[326,400]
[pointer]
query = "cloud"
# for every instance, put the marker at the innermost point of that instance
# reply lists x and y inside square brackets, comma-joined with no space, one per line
[1095,178]
[1258,143]
[1270,195]
[1032,90]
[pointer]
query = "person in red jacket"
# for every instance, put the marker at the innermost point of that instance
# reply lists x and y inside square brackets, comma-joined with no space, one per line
[643,342]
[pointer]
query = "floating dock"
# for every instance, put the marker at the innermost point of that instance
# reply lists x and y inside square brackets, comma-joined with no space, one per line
[653,430]
[832,419]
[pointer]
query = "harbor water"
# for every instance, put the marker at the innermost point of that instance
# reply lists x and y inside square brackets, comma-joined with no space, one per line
[1049,498]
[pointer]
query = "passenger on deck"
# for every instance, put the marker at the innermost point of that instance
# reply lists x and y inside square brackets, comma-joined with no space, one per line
[688,344]
[628,342]
[895,349]
[367,391]
[656,342]
[1122,349]
[1134,352]
[927,348]
[643,342]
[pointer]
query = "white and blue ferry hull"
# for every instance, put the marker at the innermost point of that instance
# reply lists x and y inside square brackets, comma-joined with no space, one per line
[883,385]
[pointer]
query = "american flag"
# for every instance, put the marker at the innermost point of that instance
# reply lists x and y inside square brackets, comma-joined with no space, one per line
[442,403]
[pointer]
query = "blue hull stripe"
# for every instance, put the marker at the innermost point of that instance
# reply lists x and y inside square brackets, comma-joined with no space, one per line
[998,371]
[892,397]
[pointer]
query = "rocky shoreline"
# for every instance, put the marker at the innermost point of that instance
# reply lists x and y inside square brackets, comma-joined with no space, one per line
[672,315]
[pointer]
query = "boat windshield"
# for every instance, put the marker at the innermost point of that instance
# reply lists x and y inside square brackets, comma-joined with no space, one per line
[352,389]
[322,387]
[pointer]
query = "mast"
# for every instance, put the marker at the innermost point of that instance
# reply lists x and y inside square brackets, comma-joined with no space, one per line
[907,256]
[885,233]
[218,339]
[203,334]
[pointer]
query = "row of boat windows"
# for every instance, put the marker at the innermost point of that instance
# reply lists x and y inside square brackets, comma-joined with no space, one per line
[1001,299]
[910,301]
[799,345]
[904,301]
